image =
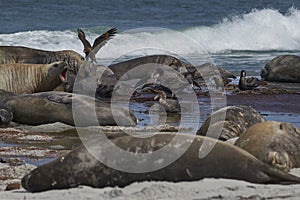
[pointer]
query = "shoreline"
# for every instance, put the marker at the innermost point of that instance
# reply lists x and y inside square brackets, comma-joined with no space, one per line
[203,189]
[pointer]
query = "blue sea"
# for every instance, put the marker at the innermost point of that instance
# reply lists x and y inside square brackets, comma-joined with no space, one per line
[233,34]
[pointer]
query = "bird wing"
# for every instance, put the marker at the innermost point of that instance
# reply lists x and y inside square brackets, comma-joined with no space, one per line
[101,40]
[87,46]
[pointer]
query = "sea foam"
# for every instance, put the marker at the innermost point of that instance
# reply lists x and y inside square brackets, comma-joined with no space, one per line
[258,30]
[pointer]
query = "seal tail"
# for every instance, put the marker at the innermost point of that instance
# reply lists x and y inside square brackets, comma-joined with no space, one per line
[279,177]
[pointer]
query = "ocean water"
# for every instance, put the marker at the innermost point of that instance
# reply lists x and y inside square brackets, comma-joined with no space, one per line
[233,34]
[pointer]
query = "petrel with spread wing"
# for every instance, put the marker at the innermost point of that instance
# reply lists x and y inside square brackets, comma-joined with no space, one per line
[89,50]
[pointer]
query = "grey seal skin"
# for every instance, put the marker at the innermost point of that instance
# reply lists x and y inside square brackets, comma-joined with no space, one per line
[29,78]
[224,161]
[50,107]
[284,68]
[121,68]
[5,115]
[186,69]
[275,143]
[238,119]
[92,78]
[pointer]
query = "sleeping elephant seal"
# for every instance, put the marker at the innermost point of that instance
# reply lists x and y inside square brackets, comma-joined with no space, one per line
[285,68]
[29,78]
[50,107]
[81,168]
[276,143]
[238,119]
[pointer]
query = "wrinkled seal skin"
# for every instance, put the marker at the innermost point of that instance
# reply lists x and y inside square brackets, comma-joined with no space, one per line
[50,107]
[285,68]
[121,68]
[224,161]
[20,54]
[186,69]
[29,78]
[238,119]
[276,143]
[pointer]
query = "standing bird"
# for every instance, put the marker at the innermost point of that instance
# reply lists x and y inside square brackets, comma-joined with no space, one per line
[89,50]
[248,83]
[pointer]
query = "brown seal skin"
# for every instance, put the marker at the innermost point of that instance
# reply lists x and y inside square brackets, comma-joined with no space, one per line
[276,143]
[20,54]
[238,119]
[23,78]
[224,161]
[190,72]
[50,107]
[285,68]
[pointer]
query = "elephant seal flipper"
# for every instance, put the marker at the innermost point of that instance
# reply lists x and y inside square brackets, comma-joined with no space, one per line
[224,161]
[63,98]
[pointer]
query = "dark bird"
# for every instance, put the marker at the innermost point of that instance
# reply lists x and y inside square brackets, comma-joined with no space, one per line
[89,50]
[170,105]
[248,83]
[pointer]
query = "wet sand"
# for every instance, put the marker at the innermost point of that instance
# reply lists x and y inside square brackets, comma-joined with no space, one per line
[282,103]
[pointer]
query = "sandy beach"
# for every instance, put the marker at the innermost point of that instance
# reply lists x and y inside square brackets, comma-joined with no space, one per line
[203,189]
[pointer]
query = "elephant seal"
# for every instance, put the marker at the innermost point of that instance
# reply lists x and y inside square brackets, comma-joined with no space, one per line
[275,143]
[224,161]
[284,68]
[121,68]
[248,83]
[50,107]
[194,74]
[238,119]
[20,54]
[29,78]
